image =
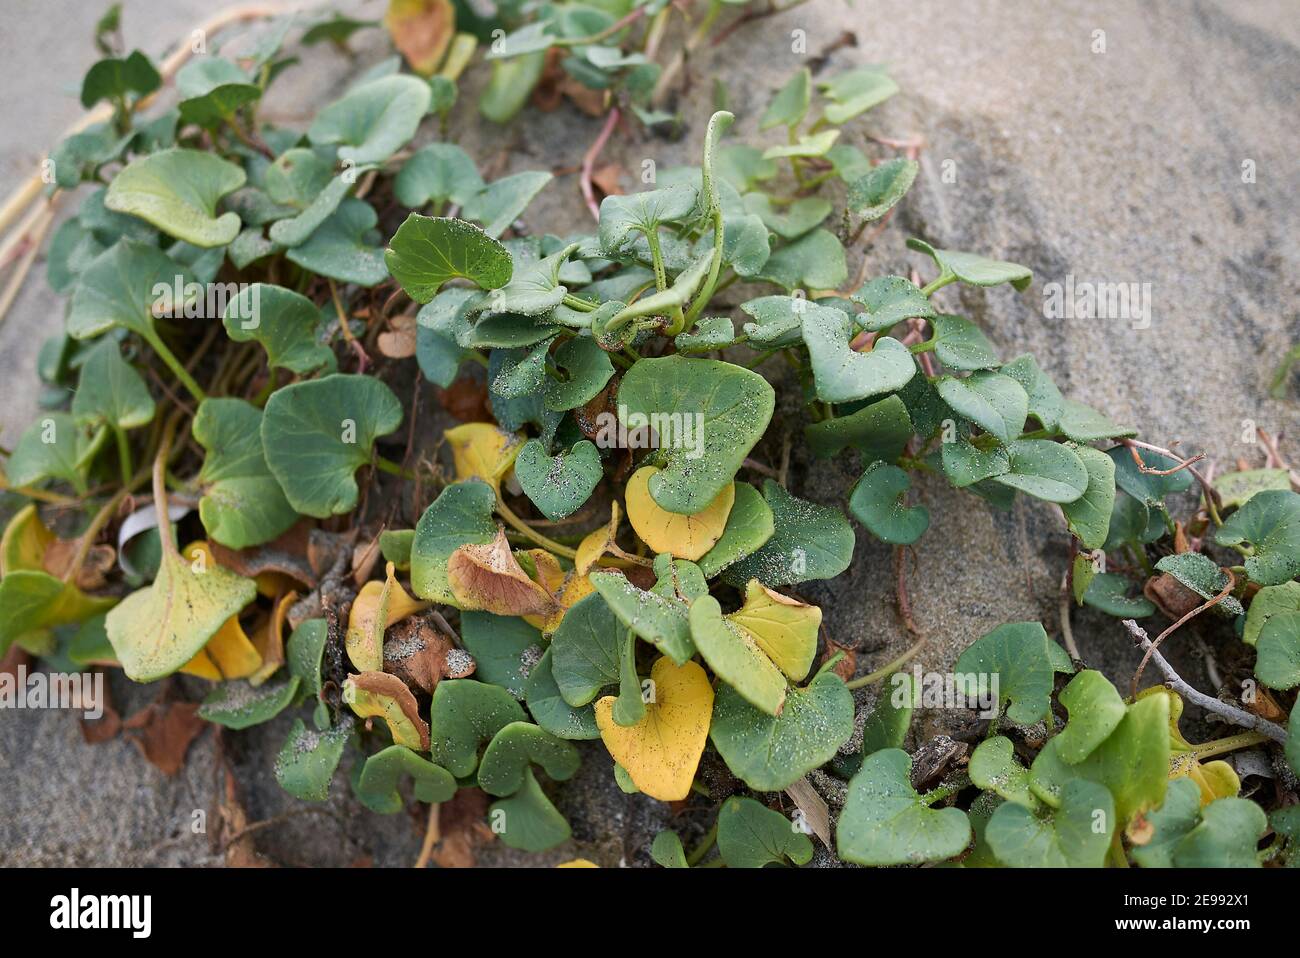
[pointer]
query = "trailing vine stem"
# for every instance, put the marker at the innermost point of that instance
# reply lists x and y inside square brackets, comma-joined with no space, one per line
[1229,713]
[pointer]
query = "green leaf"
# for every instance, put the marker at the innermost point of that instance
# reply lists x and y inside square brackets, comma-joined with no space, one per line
[558,485]
[880,430]
[1085,424]
[1268,602]
[383,771]
[790,104]
[874,195]
[810,541]
[660,619]
[1075,835]
[1088,517]
[889,300]
[973,269]
[427,251]
[751,835]
[855,92]
[1025,661]
[373,121]
[725,408]
[1203,576]
[770,753]
[284,323]
[749,527]
[212,90]
[317,433]
[1226,837]
[505,649]
[437,173]
[877,501]
[885,822]
[588,369]
[666,850]
[960,344]
[308,760]
[1132,762]
[994,402]
[1278,664]
[113,79]
[466,714]
[238,705]
[1109,592]
[296,230]
[966,464]
[518,746]
[35,601]
[844,375]
[534,288]
[340,248]
[743,166]
[807,145]
[994,768]
[461,515]
[177,191]
[778,320]
[1237,488]
[549,709]
[1045,401]
[1170,823]
[735,657]
[304,654]
[814,261]
[111,391]
[1096,710]
[1270,523]
[242,502]
[511,85]
[799,217]
[502,201]
[159,628]
[1046,470]
[890,719]
[120,288]
[1292,747]
[529,821]
[587,650]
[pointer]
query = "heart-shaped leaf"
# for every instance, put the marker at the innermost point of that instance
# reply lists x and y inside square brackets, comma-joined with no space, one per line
[960,344]
[373,121]
[242,502]
[586,368]
[813,261]
[549,709]
[316,434]
[383,771]
[342,247]
[283,322]
[158,629]
[587,650]
[798,218]
[1025,661]
[462,514]
[1075,835]
[874,195]
[110,391]
[1085,424]
[558,485]
[1203,576]
[35,601]
[1270,524]
[888,300]
[880,430]
[662,751]
[465,715]
[1096,710]
[809,541]
[427,251]
[973,269]
[516,747]
[437,173]
[770,753]
[308,760]
[1237,488]
[1045,401]
[657,618]
[856,91]
[751,835]
[1111,593]
[685,536]
[1046,470]
[1089,516]
[177,191]
[706,414]
[994,768]
[501,202]
[625,218]
[120,288]
[843,374]
[885,822]
[877,502]
[735,656]
[113,78]
[1269,601]
[506,649]
[212,91]
[790,104]
[994,402]
[1278,664]
[385,696]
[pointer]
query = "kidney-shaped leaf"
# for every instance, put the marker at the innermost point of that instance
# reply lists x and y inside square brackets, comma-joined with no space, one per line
[377,784]
[751,835]
[375,120]
[177,191]
[426,251]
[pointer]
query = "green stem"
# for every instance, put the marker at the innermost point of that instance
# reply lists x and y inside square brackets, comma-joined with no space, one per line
[888,669]
[1229,743]
[123,454]
[550,545]
[179,371]
[392,468]
[938,284]
[925,347]
[943,791]
[656,254]
[715,267]
[702,849]
[576,302]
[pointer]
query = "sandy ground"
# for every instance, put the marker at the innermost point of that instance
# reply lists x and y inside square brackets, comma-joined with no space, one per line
[1116,166]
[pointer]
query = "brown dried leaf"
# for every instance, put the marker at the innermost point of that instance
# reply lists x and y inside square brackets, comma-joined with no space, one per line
[104,728]
[163,733]
[1173,598]
[488,577]
[380,695]
[399,341]
[466,399]
[421,30]
[422,657]
[846,667]
[461,822]
[285,557]
[93,573]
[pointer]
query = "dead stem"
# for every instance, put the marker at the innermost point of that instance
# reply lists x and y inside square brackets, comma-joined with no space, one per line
[1223,594]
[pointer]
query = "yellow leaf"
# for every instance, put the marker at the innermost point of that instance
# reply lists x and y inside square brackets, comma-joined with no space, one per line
[1215,779]
[564,587]
[488,577]
[686,537]
[599,542]
[784,628]
[228,655]
[24,542]
[377,606]
[270,640]
[481,450]
[380,695]
[662,751]
[578,863]
[421,30]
